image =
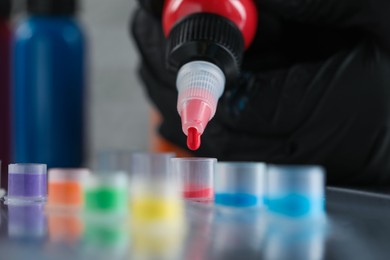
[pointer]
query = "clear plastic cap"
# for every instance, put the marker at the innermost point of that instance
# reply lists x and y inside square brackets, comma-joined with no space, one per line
[151,165]
[200,84]
[295,190]
[114,160]
[309,180]
[196,177]
[66,187]
[116,179]
[27,182]
[154,189]
[106,192]
[27,168]
[240,184]
[66,175]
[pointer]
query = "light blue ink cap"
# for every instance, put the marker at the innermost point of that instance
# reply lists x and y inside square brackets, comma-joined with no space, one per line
[240,184]
[296,190]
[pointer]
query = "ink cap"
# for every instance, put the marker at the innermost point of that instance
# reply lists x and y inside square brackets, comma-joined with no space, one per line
[27,182]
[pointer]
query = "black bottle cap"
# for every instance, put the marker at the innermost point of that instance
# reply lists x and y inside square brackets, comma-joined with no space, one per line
[208,37]
[5,8]
[52,7]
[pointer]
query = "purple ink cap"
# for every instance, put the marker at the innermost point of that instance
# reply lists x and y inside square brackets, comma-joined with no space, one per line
[27,182]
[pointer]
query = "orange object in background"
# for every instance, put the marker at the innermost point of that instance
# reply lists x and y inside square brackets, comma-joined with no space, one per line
[65,187]
[158,143]
[67,193]
[65,198]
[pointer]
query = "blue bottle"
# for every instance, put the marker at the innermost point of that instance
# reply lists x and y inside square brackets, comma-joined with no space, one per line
[48,85]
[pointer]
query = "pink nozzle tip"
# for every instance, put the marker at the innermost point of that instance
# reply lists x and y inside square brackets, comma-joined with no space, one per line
[195,113]
[193,139]
[194,116]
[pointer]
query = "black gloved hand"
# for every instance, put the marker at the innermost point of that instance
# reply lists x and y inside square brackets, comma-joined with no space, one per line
[314,89]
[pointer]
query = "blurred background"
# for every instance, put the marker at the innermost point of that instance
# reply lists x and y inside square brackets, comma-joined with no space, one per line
[119,109]
[46,79]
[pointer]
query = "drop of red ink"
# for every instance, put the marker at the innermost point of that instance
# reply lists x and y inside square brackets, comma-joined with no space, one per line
[193,139]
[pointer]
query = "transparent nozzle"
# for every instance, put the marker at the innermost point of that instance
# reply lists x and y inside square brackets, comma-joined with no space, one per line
[200,84]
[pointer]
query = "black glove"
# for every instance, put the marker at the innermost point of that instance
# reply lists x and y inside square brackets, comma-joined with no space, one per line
[314,89]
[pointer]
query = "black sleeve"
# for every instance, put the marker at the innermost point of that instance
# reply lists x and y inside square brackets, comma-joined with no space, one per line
[314,89]
[370,16]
